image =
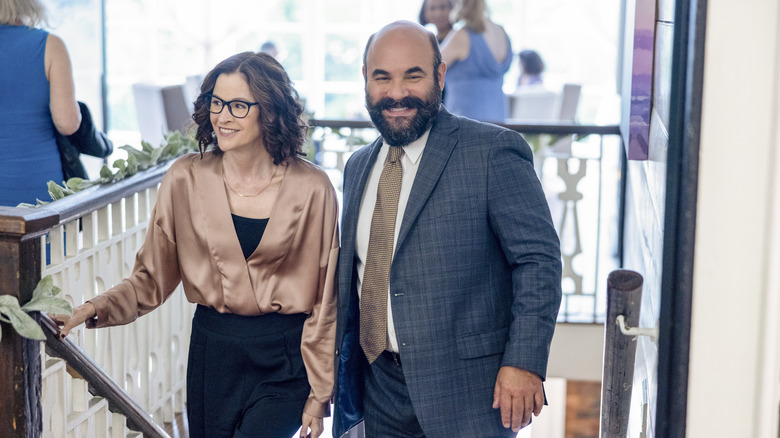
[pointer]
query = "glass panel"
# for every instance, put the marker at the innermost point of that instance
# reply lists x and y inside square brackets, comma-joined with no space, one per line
[286,11]
[343,58]
[122,115]
[290,53]
[345,106]
[343,11]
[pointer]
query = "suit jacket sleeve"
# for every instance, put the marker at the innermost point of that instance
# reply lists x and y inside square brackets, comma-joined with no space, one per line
[520,217]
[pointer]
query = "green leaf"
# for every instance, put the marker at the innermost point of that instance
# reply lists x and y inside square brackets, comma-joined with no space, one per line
[55,305]
[156,155]
[55,191]
[75,184]
[132,165]
[8,301]
[145,146]
[45,287]
[25,325]
[171,149]
[45,298]
[105,172]
[120,164]
[143,155]
[20,321]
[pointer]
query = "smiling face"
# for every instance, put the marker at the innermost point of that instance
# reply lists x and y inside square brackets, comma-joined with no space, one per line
[402,90]
[233,133]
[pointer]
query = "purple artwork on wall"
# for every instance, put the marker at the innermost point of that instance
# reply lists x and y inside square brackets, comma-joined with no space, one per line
[641,80]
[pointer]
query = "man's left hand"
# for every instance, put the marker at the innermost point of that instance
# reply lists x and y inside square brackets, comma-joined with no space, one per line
[518,393]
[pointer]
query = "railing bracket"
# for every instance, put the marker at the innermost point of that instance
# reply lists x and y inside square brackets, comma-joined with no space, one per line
[636,331]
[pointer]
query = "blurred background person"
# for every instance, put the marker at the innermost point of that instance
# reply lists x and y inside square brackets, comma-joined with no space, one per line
[531,68]
[37,96]
[437,12]
[478,56]
[270,48]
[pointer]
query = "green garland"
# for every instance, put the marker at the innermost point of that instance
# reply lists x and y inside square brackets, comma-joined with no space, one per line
[175,144]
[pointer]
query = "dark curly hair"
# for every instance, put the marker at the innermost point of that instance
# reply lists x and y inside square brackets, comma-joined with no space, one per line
[281,117]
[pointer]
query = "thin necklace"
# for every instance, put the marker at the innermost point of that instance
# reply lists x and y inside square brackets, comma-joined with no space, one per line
[241,194]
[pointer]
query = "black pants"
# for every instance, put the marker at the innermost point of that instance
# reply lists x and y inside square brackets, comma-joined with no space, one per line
[245,375]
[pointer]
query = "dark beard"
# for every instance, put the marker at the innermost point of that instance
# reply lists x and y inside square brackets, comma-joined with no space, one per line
[416,127]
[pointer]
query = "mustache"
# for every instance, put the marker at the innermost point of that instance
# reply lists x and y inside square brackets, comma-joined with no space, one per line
[407,102]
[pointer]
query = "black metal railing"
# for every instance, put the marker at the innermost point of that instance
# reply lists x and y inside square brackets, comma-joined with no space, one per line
[574,161]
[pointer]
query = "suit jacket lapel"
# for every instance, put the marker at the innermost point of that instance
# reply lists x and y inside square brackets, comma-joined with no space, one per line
[441,142]
[358,176]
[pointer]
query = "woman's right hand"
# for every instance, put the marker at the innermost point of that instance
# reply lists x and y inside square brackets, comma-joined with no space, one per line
[80,314]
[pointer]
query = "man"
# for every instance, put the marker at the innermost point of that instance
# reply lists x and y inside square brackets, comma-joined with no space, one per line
[466,262]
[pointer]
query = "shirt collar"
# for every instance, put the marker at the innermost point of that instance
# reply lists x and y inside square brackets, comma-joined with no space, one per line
[414,150]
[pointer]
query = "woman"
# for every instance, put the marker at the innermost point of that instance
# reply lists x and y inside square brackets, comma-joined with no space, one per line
[437,12]
[37,97]
[477,56]
[250,229]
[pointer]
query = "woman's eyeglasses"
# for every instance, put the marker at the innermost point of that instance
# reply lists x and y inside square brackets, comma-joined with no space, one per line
[238,108]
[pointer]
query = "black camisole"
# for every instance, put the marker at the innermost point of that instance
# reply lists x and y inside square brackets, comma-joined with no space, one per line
[249,231]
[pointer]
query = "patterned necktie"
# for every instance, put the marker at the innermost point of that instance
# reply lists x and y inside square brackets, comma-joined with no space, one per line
[376,277]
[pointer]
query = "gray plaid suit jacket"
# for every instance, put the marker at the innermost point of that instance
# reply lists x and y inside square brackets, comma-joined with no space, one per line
[475,281]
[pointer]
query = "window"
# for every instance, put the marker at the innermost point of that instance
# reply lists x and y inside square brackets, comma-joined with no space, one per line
[321,45]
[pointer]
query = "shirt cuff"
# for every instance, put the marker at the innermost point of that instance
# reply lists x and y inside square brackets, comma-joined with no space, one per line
[316,409]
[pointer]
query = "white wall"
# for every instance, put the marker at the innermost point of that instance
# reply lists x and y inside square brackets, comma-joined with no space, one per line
[733,371]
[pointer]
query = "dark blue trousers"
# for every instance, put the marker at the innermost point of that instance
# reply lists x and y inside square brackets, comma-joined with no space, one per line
[245,375]
[387,407]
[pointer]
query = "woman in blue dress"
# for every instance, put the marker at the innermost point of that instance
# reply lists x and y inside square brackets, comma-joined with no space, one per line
[37,96]
[477,56]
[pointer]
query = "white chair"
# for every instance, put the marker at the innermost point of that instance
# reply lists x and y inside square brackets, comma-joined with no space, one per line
[161,109]
[538,103]
[533,104]
[569,100]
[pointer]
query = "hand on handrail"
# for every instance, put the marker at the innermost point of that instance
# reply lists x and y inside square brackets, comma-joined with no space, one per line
[81,314]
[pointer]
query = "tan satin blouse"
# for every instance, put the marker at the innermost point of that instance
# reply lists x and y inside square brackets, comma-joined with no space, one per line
[191,239]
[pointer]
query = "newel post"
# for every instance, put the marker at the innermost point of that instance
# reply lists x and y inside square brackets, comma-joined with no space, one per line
[624,296]
[20,367]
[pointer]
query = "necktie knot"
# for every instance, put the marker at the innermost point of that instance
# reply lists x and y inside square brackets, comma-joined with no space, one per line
[394,153]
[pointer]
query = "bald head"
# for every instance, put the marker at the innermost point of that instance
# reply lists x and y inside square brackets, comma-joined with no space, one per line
[403,69]
[400,36]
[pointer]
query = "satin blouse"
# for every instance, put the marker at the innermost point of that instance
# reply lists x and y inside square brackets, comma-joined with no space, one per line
[191,239]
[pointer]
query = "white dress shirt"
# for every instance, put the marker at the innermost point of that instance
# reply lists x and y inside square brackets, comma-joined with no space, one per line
[410,161]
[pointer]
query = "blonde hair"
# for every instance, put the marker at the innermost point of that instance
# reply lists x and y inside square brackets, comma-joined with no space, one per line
[22,12]
[472,12]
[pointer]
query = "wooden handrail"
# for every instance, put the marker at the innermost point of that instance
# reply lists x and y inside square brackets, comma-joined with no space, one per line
[100,383]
